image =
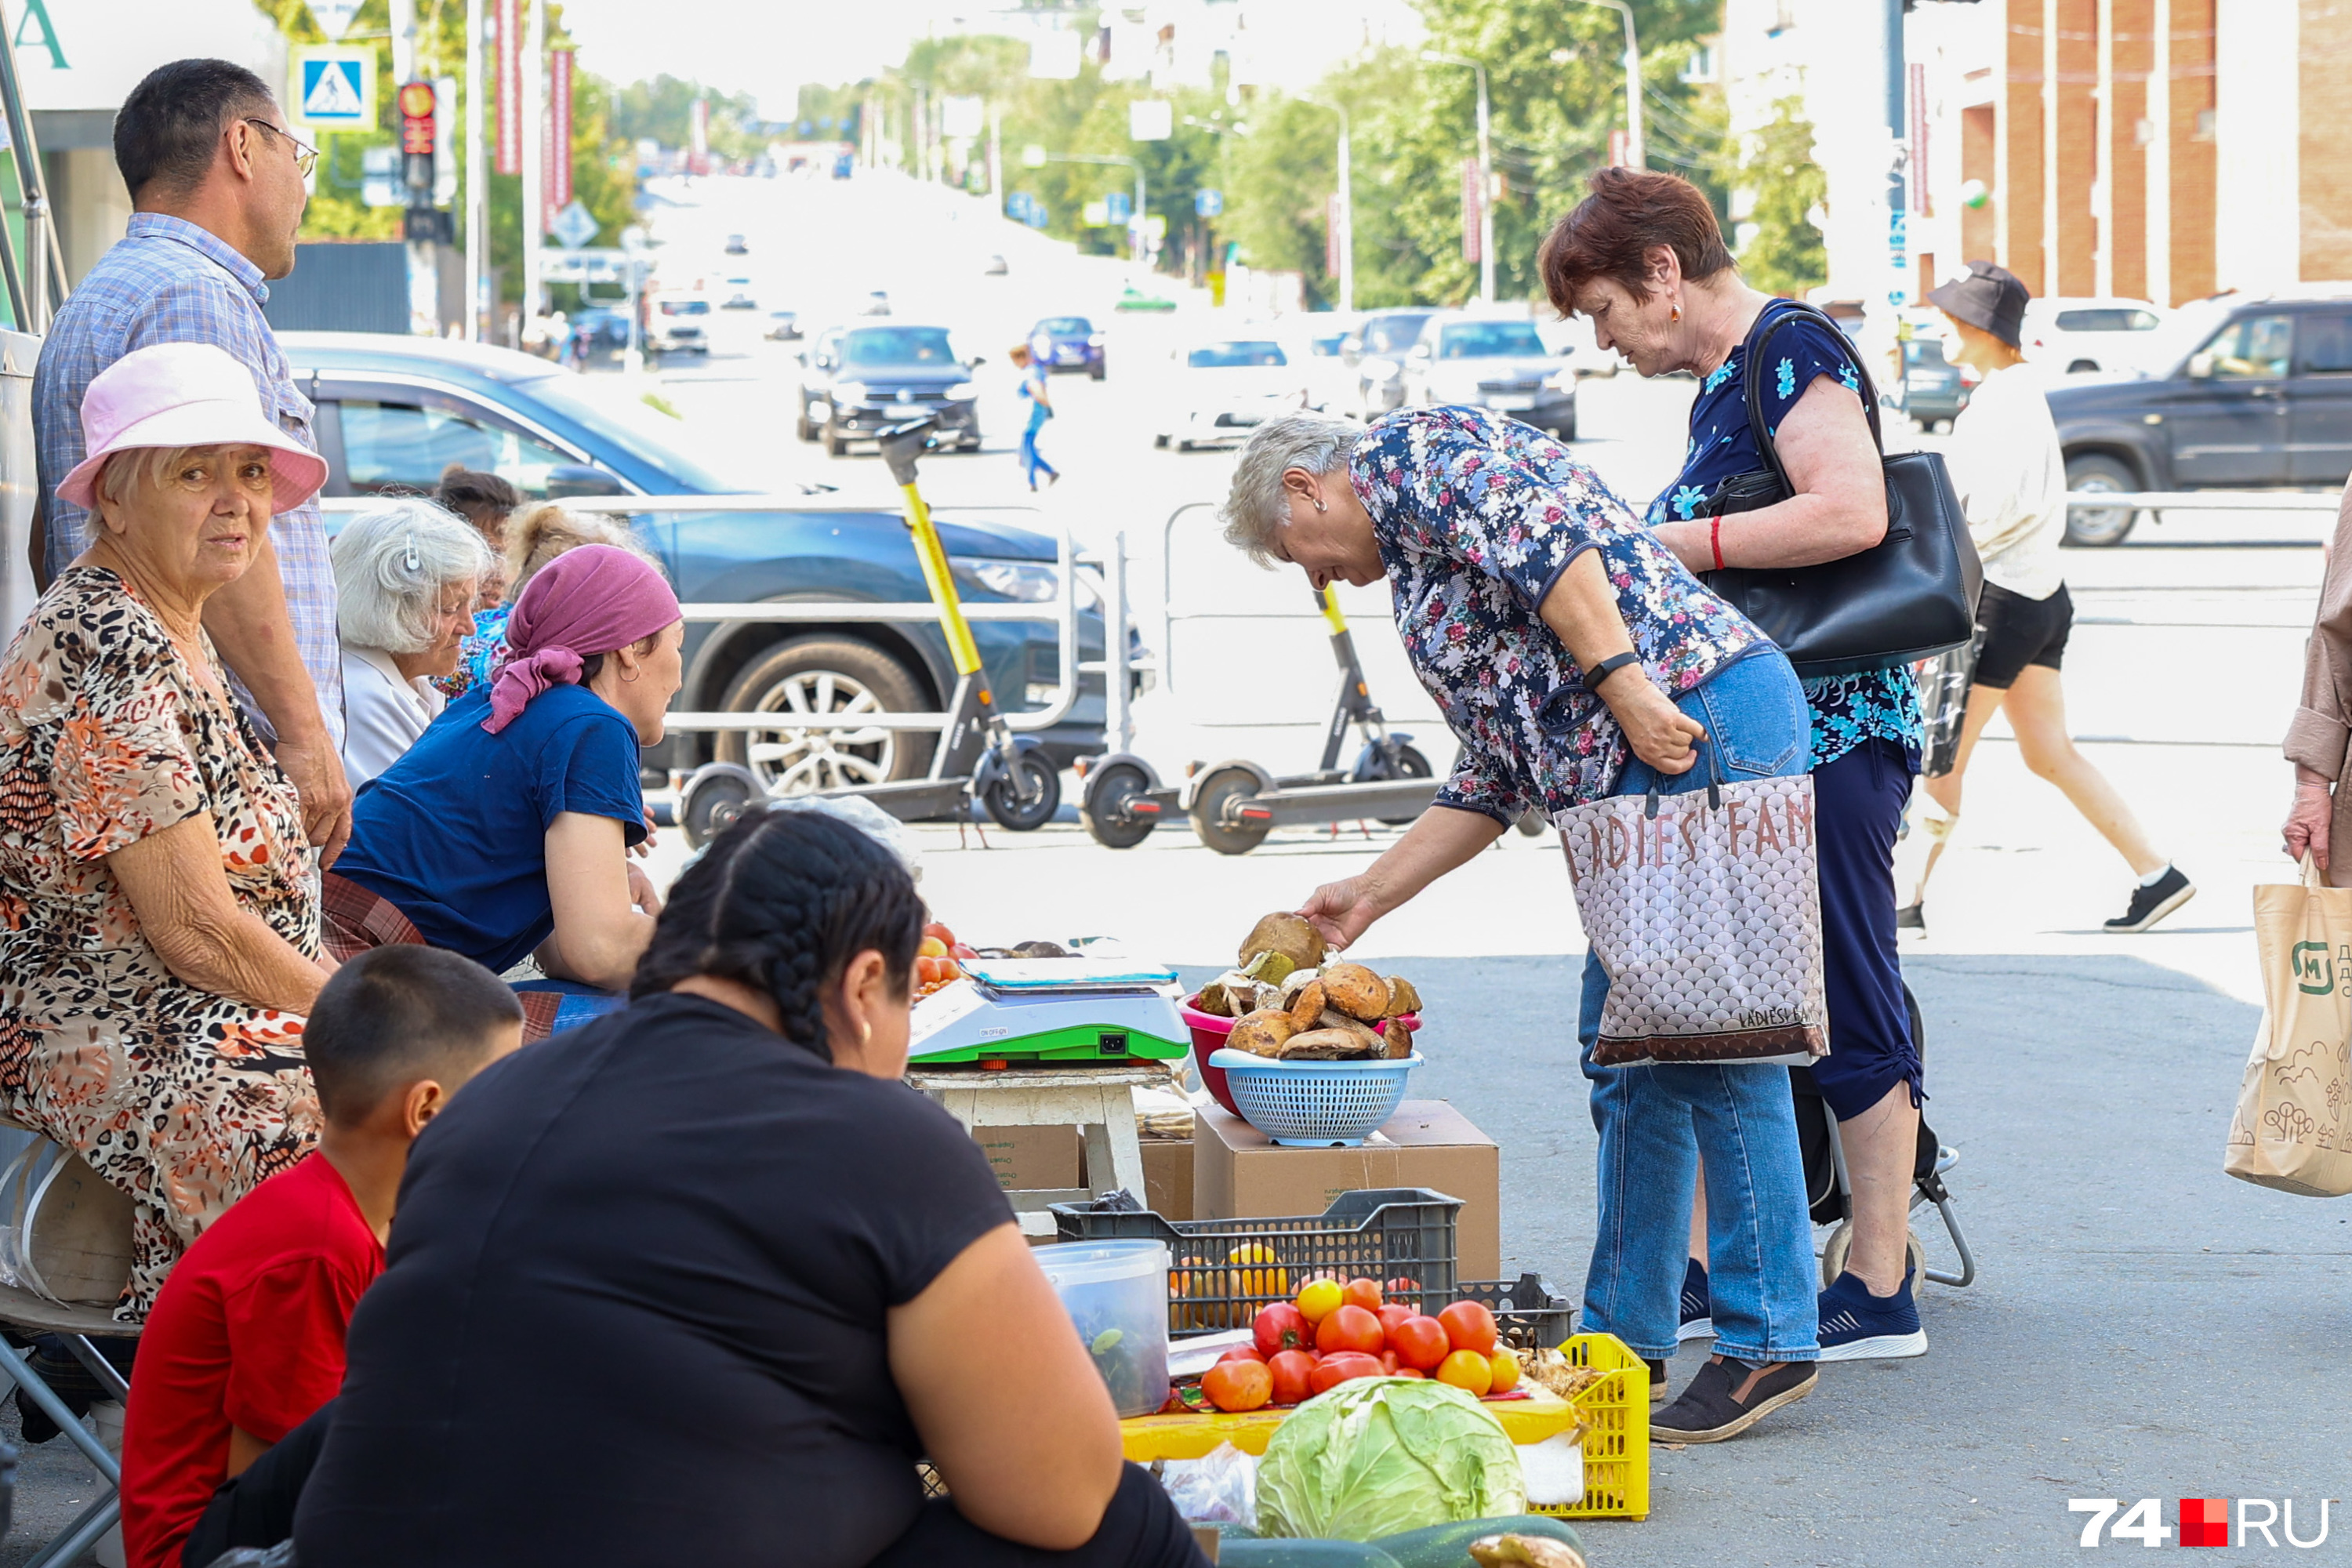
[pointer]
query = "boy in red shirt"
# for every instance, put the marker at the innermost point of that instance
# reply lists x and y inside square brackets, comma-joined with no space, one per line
[247,1338]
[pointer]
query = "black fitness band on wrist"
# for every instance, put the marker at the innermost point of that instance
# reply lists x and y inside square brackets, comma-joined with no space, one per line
[1607,667]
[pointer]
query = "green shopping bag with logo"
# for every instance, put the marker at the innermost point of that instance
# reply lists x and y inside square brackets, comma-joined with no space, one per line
[2293,1130]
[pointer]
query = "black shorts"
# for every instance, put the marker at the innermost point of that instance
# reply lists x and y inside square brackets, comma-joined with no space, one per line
[2013,631]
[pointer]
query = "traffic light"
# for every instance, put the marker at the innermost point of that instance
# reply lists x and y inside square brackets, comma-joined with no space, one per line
[416,141]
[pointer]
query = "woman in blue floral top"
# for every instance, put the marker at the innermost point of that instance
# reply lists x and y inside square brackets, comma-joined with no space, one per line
[1574,658]
[1642,258]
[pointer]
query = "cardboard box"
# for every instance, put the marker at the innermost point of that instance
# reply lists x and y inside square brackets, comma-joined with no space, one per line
[1238,1173]
[1168,1177]
[1032,1158]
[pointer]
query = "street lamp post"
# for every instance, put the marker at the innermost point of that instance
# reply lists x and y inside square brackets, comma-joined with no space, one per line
[1037,157]
[1634,155]
[1485,176]
[1347,226]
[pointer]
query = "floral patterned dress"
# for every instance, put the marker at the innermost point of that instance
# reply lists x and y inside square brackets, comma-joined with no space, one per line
[183,1099]
[1476,517]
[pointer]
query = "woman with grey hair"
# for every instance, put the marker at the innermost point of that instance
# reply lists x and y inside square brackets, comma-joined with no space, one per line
[406,577]
[1574,658]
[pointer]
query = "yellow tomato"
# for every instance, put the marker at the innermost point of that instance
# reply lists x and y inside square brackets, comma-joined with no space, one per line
[930,947]
[1318,1300]
[1467,1371]
[1506,1372]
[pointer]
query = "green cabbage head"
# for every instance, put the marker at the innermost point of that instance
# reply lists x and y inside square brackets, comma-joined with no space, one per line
[1377,1457]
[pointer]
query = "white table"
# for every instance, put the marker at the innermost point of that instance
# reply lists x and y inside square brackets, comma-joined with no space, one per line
[1098,1101]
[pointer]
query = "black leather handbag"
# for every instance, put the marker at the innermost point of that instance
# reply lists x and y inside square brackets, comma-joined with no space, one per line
[1910,596]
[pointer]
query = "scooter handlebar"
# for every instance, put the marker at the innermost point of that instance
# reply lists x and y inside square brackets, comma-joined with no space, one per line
[904,442]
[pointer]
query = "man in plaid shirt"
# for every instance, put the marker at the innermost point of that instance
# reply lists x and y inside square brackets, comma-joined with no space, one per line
[218,183]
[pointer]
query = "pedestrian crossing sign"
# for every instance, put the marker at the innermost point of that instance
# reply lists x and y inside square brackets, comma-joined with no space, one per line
[334,88]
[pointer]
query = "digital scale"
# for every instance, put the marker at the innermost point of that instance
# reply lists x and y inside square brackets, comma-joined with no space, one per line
[1052,1010]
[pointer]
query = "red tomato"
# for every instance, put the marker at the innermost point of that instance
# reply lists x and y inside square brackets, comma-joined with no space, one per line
[1233,1386]
[1410,1372]
[1292,1371]
[1389,1363]
[1470,1326]
[961,949]
[1350,1329]
[1244,1353]
[939,929]
[1345,1367]
[1421,1342]
[1364,1293]
[1390,1317]
[1283,1327]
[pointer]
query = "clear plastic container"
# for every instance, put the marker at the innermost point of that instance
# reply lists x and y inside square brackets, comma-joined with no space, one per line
[1116,1294]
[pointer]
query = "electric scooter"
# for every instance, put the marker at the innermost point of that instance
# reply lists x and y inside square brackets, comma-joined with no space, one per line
[977,756]
[1234,803]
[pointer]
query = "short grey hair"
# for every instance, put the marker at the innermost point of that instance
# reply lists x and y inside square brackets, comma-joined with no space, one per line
[1256,507]
[394,564]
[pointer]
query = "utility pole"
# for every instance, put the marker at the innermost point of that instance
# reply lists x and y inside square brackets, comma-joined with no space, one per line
[1486,174]
[1635,156]
[534,131]
[477,208]
[1346,245]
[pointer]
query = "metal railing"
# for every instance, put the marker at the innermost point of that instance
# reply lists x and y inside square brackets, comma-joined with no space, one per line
[1103,581]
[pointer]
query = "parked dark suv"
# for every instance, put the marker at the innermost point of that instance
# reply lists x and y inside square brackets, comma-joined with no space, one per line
[393,411]
[2262,397]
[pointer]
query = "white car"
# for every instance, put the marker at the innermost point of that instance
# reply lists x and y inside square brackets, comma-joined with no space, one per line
[2072,335]
[1493,362]
[680,323]
[739,295]
[1227,388]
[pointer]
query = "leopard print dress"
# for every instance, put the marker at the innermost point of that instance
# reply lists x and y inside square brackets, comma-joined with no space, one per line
[183,1099]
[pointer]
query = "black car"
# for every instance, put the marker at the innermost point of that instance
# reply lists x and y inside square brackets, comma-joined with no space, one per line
[392,412]
[858,379]
[1932,391]
[2263,396]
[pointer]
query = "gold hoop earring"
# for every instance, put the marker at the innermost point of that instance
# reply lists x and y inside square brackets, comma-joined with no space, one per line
[628,679]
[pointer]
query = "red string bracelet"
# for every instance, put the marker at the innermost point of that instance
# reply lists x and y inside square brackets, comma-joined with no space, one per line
[1715,537]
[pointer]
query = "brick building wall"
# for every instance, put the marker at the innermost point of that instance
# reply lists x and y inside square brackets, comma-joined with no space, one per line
[1979,231]
[2018,194]
[2323,50]
[2071,45]
[2132,55]
[2193,168]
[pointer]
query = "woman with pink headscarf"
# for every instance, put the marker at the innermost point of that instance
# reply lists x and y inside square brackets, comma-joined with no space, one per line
[503,833]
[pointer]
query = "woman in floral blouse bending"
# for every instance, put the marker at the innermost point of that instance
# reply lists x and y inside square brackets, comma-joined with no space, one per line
[1642,258]
[1574,658]
[159,910]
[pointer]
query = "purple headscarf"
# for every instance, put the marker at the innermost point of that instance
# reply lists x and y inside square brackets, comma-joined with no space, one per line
[587,601]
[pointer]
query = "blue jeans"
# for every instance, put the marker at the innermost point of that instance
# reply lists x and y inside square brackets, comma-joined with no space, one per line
[1032,463]
[1657,1123]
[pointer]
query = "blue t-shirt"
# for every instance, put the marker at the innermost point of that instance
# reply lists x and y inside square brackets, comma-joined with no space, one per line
[454,833]
[1847,709]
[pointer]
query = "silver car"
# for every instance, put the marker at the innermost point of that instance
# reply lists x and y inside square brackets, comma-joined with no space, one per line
[1492,362]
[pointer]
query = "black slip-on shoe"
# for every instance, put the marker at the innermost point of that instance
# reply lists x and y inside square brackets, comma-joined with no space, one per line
[1729,1396]
[2149,905]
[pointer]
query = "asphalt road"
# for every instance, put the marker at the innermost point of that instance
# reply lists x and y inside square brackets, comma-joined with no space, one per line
[2143,1325]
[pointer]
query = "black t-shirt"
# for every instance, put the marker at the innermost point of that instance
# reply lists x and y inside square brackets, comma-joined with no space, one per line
[633,1311]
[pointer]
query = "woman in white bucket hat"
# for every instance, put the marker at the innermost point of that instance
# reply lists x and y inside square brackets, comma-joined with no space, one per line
[159,917]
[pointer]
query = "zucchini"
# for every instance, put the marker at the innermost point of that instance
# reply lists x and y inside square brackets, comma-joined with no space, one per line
[1448,1545]
[1269,1553]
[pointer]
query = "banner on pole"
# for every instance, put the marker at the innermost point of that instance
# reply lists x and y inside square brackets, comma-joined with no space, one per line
[1331,235]
[510,93]
[1471,198]
[1621,148]
[559,137]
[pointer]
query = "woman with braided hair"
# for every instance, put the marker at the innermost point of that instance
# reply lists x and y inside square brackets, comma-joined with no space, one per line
[702,1280]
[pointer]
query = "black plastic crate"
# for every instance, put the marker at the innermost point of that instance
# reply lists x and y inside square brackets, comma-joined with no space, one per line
[1221,1271]
[1528,1314]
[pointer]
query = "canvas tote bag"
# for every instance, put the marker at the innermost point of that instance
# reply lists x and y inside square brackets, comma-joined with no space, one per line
[2291,1130]
[1704,910]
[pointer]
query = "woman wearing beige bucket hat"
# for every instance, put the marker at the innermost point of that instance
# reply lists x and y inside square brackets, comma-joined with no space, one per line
[158,915]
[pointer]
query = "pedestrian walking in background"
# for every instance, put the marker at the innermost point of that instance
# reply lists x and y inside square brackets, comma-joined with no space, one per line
[2319,823]
[1575,660]
[1041,408]
[216,188]
[1643,259]
[2011,477]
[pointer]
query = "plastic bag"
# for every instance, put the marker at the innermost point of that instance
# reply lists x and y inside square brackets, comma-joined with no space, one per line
[871,818]
[1219,1488]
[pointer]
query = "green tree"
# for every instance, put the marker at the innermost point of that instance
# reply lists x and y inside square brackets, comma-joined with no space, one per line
[1781,251]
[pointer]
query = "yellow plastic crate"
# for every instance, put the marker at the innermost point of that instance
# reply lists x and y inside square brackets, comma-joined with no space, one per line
[1197,1433]
[1616,1413]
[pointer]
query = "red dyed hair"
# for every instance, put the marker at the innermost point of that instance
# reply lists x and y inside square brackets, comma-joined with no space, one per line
[1612,231]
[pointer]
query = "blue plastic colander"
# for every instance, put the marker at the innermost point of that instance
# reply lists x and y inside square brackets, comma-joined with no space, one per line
[1313,1104]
